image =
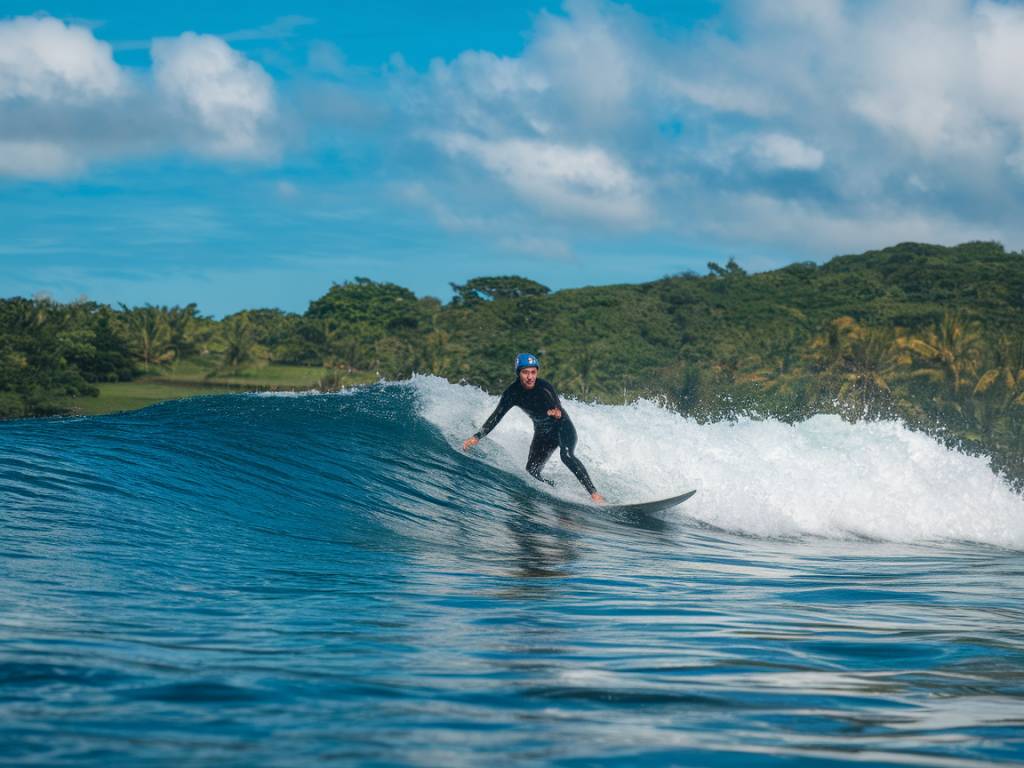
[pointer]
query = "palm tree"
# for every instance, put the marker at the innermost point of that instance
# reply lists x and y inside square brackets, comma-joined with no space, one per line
[768,370]
[949,353]
[185,332]
[860,363]
[999,393]
[1006,376]
[239,341]
[149,333]
[873,361]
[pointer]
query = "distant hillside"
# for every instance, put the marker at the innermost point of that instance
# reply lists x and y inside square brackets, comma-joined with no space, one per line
[930,334]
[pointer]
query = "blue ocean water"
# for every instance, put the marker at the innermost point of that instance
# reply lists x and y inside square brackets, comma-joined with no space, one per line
[278,580]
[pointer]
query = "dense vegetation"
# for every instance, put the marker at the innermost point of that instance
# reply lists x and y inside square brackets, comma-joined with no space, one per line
[928,334]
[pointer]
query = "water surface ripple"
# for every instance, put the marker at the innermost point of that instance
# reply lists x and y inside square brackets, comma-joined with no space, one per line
[248,580]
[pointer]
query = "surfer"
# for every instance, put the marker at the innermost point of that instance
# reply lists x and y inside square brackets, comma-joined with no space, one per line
[551,425]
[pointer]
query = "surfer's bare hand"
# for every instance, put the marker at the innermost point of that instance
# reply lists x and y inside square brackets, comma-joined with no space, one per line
[555,412]
[597,497]
[470,442]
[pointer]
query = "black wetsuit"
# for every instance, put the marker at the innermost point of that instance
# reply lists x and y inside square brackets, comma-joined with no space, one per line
[549,433]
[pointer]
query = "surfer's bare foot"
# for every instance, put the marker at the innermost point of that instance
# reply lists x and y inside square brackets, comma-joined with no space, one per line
[470,442]
[597,497]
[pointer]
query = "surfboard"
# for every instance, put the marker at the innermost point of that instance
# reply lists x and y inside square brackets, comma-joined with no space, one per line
[648,507]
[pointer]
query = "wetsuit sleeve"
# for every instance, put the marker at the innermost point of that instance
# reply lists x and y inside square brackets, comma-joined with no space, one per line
[504,406]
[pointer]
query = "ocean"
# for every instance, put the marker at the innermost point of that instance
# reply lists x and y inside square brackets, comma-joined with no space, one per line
[297,579]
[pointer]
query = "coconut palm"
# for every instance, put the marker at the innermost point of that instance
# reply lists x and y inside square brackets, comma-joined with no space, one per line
[949,353]
[186,332]
[998,395]
[149,334]
[873,360]
[239,341]
[1005,379]
[860,363]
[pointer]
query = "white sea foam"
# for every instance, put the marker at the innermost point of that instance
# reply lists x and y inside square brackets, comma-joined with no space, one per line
[822,477]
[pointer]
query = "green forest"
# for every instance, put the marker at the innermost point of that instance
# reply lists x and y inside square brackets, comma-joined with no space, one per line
[931,335]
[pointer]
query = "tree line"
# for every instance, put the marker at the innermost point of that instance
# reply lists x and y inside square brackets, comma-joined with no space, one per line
[927,334]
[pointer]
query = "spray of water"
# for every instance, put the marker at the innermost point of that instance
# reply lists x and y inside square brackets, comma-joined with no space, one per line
[821,477]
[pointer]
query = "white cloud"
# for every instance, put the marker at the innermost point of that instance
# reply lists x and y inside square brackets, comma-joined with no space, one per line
[65,104]
[808,224]
[905,117]
[1000,49]
[39,160]
[918,73]
[231,97]
[478,91]
[821,15]
[543,123]
[577,74]
[908,115]
[590,58]
[43,59]
[719,96]
[788,153]
[559,179]
[485,76]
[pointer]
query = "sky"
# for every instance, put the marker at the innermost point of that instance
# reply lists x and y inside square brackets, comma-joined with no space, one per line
[241,158]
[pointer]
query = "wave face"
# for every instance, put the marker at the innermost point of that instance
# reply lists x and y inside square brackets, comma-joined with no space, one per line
[273,579]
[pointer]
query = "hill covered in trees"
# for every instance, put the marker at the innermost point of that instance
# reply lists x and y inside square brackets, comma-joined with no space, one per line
[928,334]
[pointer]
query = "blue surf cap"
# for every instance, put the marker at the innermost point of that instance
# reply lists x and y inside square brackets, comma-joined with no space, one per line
[526,360]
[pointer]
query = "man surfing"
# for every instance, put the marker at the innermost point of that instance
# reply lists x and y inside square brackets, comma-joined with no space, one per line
[551,425]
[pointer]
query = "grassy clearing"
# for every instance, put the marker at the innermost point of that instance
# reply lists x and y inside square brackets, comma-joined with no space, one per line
[132,395]
[188,379]
[265,377]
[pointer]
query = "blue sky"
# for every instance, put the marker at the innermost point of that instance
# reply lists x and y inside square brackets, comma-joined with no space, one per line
[251,157]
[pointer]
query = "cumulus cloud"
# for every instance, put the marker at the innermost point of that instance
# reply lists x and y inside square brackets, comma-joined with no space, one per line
[591,58]
[543,124]
[846,117]
[54,80]
[897,116]
[65,103]
[230,97]
[579,181]
[999,37]
[43,59]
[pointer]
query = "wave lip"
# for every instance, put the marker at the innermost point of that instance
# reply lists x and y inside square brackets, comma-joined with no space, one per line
[821,477]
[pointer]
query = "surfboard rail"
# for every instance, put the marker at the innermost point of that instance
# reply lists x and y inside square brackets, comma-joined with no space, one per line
[648,507]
